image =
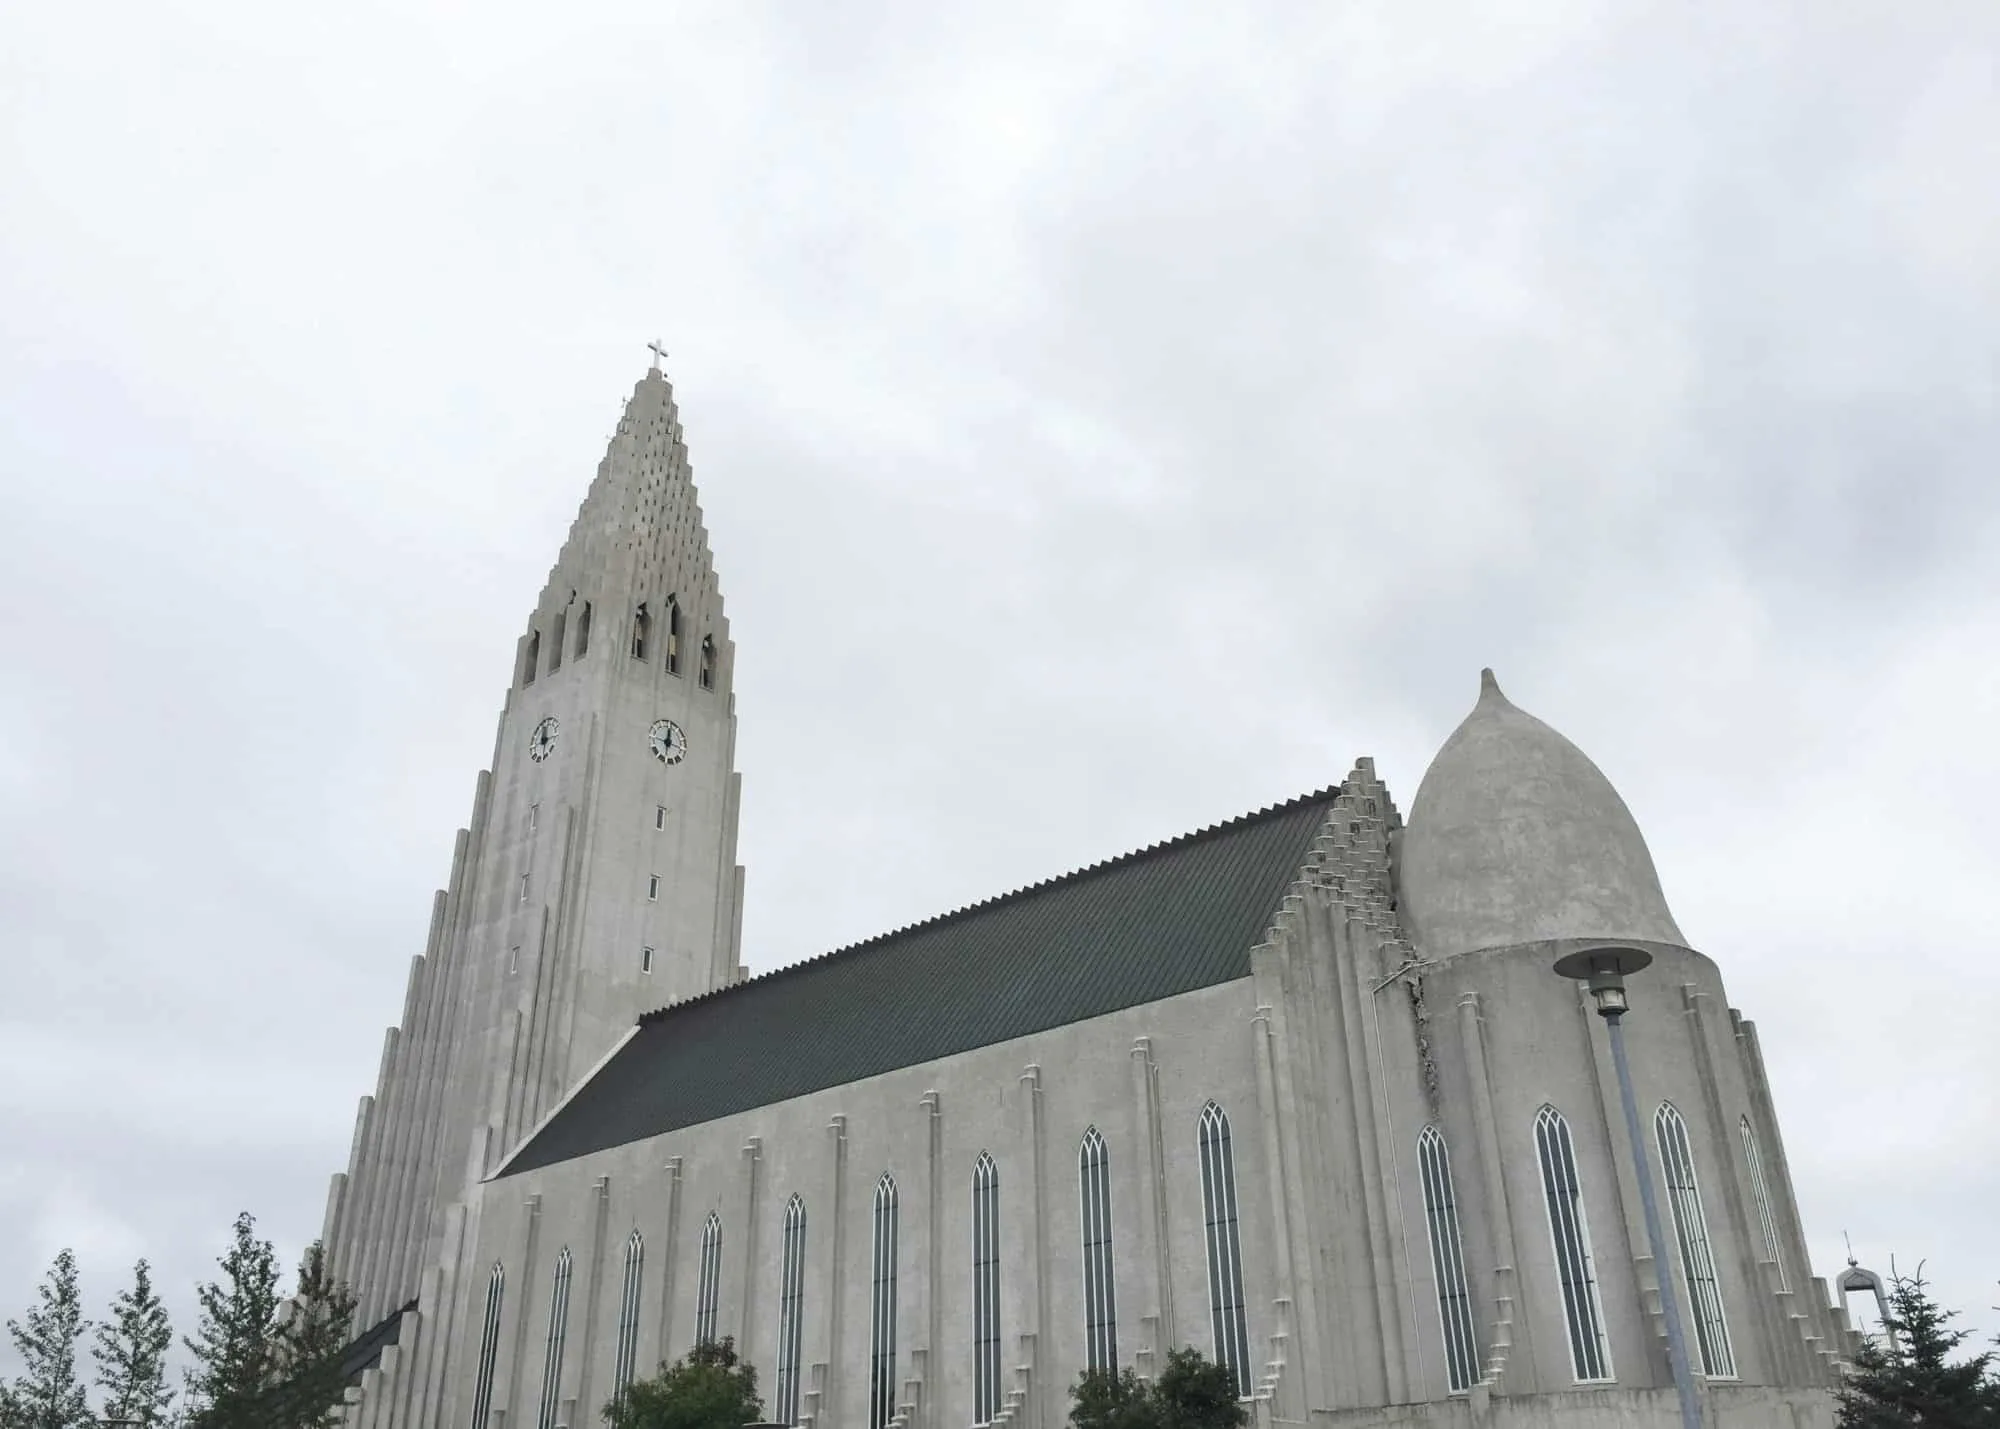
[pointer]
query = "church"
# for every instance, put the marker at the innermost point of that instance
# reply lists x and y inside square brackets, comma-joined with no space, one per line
[1302,1090]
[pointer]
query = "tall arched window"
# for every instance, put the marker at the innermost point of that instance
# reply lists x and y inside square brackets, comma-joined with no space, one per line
[1711,1329]
[708,1282]
[625,1360]
[642,630]
[489,1346]
[708,662]
[556,636]
[882,1309]
[1225,1249]
[583,631]
[1767,1221]
[531,658]
[673,635]
[1461,1347]
[1100,1296]
[1569,1234]
[558,1331]
[791,1296]
[985,1289]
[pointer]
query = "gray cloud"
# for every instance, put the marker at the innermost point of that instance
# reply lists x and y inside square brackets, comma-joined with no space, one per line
[1106,424]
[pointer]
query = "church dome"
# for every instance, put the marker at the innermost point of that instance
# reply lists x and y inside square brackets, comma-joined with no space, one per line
[1516,837]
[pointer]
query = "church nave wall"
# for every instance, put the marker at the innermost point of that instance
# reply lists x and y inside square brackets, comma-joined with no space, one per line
[1027,1102]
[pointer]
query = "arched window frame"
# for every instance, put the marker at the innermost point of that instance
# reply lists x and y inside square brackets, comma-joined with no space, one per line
[985,1289]
[1698,1274]
[791,1310]
[557,634]
[1760,1192]
[583,631]
[625,1360]
[1227,1323]
[673,635]
[1455,1321]
[708,1280]
[531,658]
[1569,1244]
[642,630]
[552,1362]
[882,1307]
[708,662]
[489,1346]
[1100,1291]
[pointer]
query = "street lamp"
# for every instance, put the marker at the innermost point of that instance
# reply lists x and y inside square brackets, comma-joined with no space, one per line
[1603,970]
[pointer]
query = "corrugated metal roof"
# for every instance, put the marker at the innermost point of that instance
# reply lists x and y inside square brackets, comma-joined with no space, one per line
[1162,921]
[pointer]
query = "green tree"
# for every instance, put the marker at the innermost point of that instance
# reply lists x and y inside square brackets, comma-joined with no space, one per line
[131,1352]
[1914,1381]
[710,1389]
[1192,1392]
[1195,1393]
[48,1394]
[234,1344]
[1108,1399]
[310,1345]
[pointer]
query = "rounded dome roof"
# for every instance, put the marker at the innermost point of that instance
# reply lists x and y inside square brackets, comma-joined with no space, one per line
[1516,837]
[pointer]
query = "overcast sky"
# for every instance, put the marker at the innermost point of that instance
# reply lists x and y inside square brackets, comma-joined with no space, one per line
[1105,425]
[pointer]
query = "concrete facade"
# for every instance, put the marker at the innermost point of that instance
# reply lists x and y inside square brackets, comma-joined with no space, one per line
[1404,983]
[925,1126]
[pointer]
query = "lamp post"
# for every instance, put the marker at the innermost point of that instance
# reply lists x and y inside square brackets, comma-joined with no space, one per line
[1603,970]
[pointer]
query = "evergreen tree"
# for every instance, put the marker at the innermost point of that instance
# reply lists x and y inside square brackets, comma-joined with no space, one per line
[710,1389]
[1912,1381]
[234,1344]
[131,1353]
[311,1343]
[48,1394]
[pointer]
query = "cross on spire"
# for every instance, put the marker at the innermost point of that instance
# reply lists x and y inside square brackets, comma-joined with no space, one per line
[659,352]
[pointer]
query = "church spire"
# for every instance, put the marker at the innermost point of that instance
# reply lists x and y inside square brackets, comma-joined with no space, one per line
[596,878]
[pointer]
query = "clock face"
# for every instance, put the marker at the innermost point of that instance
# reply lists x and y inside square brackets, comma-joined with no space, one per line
[669,742]
[542,743]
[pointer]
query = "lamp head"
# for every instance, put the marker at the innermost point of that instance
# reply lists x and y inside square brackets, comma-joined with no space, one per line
[1603,971]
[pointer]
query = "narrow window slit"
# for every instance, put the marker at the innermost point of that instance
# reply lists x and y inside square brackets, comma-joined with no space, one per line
[1100,1301]
[985,1290]
[1227,1324]
[708,1284]
[1461,1345]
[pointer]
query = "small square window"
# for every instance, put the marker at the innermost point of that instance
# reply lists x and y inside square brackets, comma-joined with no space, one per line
[659,816]
[524,888]
[514,958]
[645,960]
[653,888]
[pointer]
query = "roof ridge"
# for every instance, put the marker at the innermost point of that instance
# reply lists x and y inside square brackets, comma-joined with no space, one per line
[966,910]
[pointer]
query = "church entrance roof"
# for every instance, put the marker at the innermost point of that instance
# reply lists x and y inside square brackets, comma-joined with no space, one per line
[1165,920]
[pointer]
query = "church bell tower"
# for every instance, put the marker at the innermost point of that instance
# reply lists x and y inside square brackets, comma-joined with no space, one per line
[596,879]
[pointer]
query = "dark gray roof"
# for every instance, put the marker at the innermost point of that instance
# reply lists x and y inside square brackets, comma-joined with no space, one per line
[364,1352]
[1165,920]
